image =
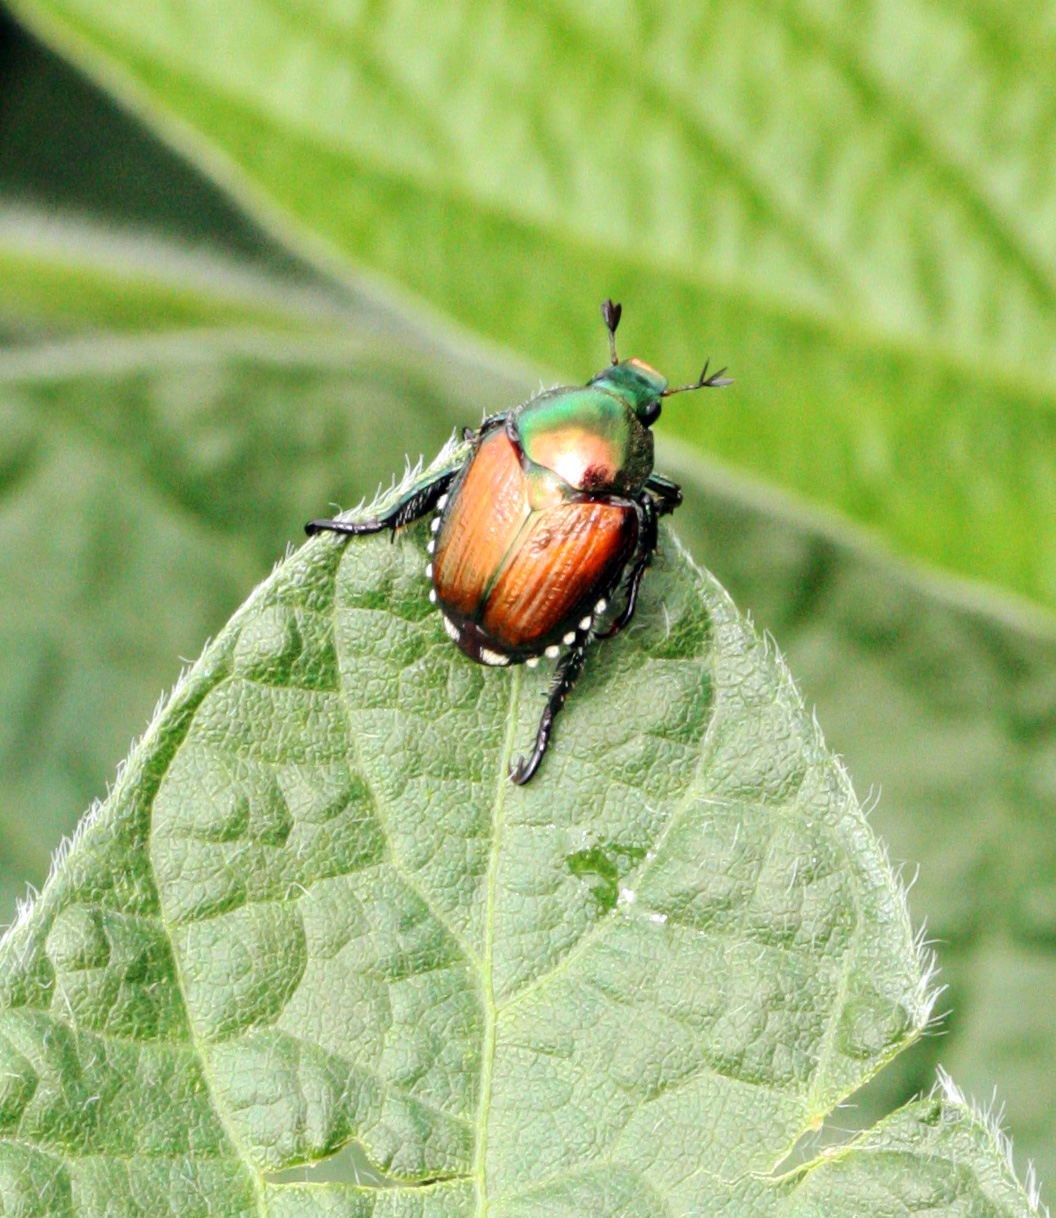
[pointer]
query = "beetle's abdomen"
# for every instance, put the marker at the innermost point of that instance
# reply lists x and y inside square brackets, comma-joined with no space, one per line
[515,564]
[487,509]
[564,559]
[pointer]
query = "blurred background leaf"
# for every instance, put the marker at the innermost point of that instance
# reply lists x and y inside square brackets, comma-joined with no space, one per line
[60,274]
[853,203]
[855,239]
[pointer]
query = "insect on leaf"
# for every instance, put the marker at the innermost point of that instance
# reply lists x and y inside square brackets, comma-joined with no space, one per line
[315,955]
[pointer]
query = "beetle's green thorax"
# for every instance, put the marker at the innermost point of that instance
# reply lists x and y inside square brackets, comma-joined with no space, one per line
[638,384]
[591,437]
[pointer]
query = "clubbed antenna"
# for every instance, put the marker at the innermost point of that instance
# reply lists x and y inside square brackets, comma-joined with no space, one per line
[612,312]
[715,381]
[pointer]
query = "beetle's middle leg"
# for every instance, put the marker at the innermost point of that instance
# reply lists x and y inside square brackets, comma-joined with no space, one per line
[647,542]
[417,502]
[568,669]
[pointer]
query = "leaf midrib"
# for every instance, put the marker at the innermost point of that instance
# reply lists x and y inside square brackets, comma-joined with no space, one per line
[482,961]
[487,990]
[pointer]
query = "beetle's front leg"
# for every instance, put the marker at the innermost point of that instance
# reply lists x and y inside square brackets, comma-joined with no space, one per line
[417,502]
[565,677]
[666,494]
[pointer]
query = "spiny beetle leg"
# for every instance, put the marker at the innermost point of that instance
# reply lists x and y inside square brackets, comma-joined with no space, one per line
[471,435]
[492,421]
[416,503]
[569,667]
[565,677]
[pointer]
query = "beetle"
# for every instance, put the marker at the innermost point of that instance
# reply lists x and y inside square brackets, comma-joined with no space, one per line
[549,517]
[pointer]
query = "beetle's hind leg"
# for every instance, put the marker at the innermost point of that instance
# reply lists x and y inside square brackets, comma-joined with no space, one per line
[660,496]
[417,502]
[568,670]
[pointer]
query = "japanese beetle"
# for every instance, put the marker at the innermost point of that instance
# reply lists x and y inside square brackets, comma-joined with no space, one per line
[550,515]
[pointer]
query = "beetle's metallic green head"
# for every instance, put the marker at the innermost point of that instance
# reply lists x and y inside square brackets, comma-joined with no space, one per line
[642,387]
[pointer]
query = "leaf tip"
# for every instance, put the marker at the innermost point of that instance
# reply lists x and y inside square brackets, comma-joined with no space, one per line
[991,1118]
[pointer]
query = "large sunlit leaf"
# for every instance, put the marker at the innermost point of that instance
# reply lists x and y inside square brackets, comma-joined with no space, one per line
[313,914]
[851,204]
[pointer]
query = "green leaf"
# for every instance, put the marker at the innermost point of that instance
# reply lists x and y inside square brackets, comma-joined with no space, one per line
[145,485]
[251,428]
[940,704]
[850,205]
[314,914]
[1009,980]
[63,275]
[909,1164]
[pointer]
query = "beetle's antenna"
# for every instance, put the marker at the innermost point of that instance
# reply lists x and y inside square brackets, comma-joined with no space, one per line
[715,381]
[611,313]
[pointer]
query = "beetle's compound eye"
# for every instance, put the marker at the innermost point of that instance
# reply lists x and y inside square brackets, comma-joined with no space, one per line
[650,412]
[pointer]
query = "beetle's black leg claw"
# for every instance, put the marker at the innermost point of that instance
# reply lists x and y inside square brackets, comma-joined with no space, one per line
[523,771]
[520,773]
